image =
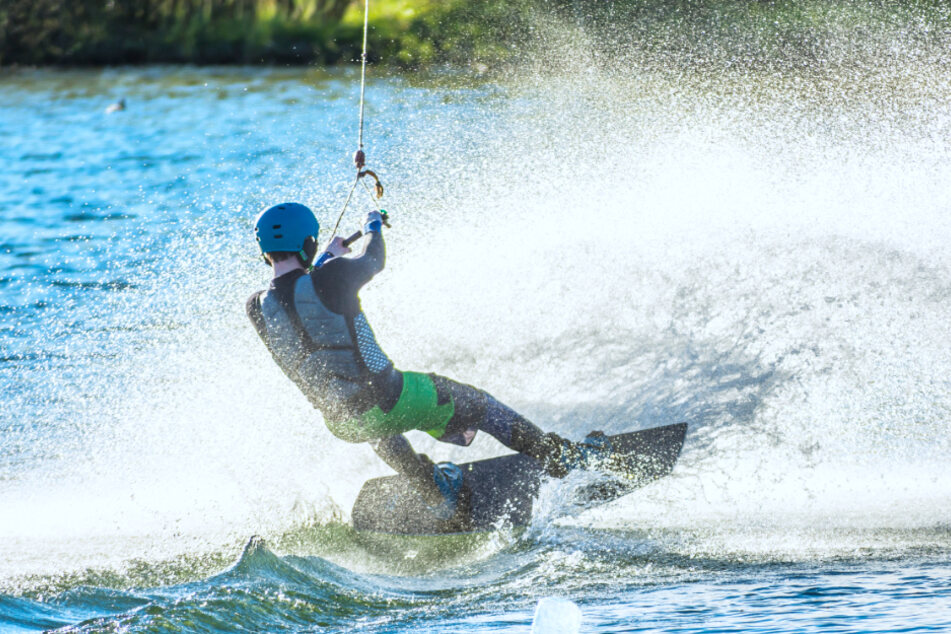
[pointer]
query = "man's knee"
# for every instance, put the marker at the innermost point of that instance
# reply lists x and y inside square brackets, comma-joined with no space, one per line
[469,402]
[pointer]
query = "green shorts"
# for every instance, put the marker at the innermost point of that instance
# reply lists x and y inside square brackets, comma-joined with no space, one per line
[417,408]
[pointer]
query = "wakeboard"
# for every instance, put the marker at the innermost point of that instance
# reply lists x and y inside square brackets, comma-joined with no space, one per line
[504,489]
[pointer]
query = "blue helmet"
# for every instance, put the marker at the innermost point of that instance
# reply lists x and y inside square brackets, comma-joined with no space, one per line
[287,227]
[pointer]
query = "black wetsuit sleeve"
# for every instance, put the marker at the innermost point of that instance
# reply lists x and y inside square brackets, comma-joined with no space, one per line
[339,281]
[399,455]
[361,269]
[253,309]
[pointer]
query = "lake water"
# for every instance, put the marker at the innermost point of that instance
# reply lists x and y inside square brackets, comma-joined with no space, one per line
[763,254]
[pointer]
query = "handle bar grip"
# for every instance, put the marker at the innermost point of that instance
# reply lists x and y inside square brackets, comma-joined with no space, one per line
[356,236]
[351,239]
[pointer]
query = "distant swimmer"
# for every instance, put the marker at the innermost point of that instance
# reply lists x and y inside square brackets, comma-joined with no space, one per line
[116,107]
[312,322]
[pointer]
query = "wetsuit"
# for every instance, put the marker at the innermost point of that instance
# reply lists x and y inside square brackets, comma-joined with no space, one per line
[314,327]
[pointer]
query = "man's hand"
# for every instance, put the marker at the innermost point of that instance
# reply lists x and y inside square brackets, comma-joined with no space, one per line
[336,248]
[373,221]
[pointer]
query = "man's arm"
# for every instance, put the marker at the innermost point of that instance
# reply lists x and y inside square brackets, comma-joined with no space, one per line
[361,269]
[342,278]
[399,455]
[253,308]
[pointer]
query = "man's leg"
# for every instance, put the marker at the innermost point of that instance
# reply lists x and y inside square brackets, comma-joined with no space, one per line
[478,410]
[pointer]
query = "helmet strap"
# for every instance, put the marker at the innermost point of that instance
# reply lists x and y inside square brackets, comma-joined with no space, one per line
[308,252]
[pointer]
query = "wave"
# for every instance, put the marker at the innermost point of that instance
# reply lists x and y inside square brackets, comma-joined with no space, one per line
[262,591]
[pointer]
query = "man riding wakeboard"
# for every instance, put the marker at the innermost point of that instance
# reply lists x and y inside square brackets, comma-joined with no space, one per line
[313,325]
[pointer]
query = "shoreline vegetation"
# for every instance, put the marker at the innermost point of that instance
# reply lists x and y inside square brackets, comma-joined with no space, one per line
[482,33]
[276,32]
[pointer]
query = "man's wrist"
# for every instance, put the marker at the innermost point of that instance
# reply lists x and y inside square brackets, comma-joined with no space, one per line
[322,259]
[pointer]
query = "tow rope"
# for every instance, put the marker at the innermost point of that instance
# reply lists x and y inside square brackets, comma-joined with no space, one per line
[360,157]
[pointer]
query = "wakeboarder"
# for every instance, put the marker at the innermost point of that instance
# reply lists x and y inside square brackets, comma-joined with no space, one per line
[311,320]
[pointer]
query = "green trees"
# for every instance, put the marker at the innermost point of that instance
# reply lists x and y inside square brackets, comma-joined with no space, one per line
[423,32]
[404,32]
[200,31]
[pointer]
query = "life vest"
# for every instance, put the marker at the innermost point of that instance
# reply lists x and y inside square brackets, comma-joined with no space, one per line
[334,359]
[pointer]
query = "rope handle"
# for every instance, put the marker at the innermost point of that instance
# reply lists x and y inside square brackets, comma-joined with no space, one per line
[353,237]
[360,157]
